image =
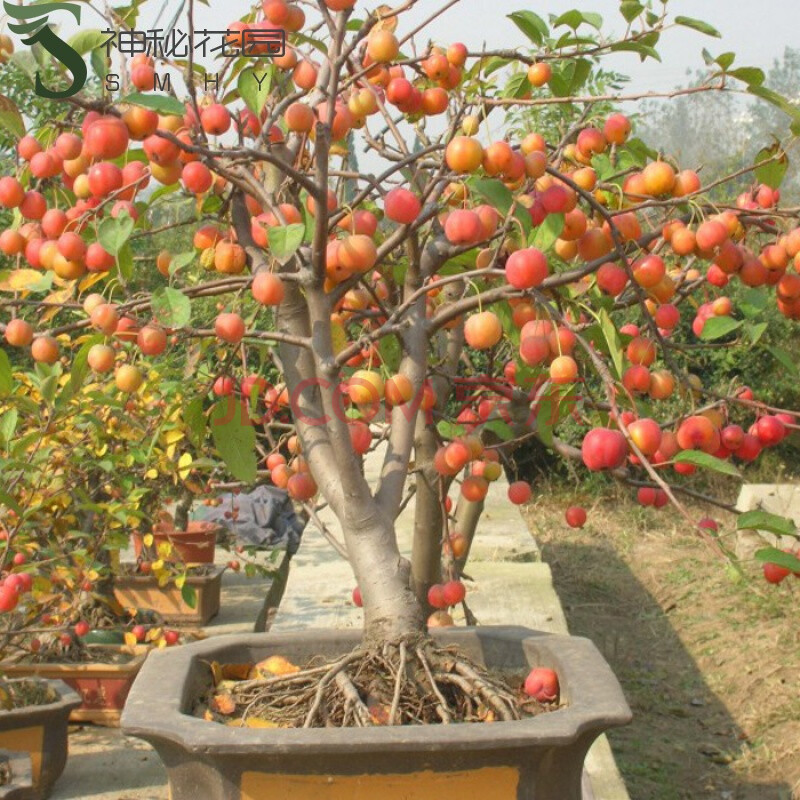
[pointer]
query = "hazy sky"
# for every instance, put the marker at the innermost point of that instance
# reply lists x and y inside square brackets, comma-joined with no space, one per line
[757,32]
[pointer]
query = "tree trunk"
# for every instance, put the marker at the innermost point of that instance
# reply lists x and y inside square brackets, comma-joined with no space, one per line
[426,563]
[391,611]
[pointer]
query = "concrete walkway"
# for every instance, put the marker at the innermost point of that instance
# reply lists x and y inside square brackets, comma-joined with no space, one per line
[511,586]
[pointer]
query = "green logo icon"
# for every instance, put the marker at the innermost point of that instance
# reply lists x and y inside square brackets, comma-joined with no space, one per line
[34,24]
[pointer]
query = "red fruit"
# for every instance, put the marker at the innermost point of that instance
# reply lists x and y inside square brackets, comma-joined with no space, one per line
[268,289]
[646,435]
[139,632]
[106,138]
[770,430]
[575,516]
[215,119]
[646,496]
[542,683]
[152,341]
[526,268]
[603,448]
[357,599]
[453,593]
[773,573]
[611,279]
[171,637]
[436,596]
[709,524]
[229,327]
[519,492]
[9,598]
[301,486]
[81,628]
[402,205]
[463,227]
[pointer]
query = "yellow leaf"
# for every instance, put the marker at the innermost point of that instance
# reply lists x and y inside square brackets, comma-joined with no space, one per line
[91,280]
[158,565]
[148,540]
[338,337]
[101,451]
[152,474]
[164,550]
[23,278]
[184,465]
[180,581]
[170,437]
[251,722]
[153,634]
[130,639]
[171,452]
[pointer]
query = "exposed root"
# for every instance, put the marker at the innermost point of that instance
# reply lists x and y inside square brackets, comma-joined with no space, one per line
[403,683]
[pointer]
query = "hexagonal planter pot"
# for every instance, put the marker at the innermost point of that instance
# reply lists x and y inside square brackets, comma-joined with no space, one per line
[103,687]
[16,781]
[143,591]
[41,731]
[540,758]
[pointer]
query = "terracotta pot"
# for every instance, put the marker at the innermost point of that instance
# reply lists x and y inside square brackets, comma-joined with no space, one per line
[143,591]
[41,731]
[20,781]
[103,688]
[540,758]
[195,545]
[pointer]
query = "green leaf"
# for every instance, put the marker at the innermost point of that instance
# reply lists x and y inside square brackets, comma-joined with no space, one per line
[8,424]
[776,100]
[698,25]
[725,60]
[755,332]
[706,461]
[84,41]
[630,9]
[8,501]
[171,307]
[284,240]
[125,262]
[753,76]
[390,351]
[189,595]
[80,366]
[613,341]
[235,438]
[180,261]
[644,50]
[517,86]
[772,173]
[113,233]
[10,117]
[545,235]
[752,302]
[6,377]
[253,94]
[771,555]
[717,327]
[583,69]
[574,18]
[99,64]
[764,521]
[450,430]
[532,25]
[162,103]
[195,421]
[546,416]
[500,428]
[784,358]
[494,191]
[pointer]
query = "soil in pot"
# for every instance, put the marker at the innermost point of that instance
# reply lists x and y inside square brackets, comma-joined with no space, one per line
[408,684]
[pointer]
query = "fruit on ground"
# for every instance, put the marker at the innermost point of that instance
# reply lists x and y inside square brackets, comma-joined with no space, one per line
[575,516]
[542,683]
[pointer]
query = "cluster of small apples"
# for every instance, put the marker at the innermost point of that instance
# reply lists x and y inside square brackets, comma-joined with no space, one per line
[294,476]
[707,432]
[468,452]
[13,585]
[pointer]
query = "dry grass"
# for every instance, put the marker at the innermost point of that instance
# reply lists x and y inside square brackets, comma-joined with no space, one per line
[709,662]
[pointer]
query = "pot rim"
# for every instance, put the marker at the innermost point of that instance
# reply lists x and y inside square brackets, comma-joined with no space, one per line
[68,699]
[593,704]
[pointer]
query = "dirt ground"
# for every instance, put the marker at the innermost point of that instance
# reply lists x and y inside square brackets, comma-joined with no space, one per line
[709,663]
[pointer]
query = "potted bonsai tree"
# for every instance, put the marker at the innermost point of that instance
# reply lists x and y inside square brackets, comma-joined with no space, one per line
[459,294]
